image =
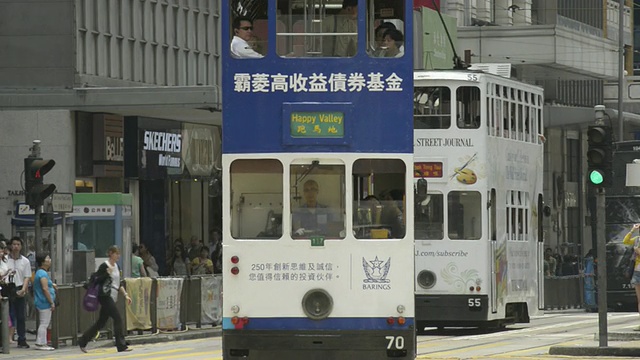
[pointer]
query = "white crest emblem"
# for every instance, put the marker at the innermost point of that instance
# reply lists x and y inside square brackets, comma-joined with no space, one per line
[376,270]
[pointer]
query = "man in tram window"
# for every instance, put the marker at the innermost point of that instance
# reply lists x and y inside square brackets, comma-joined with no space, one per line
[242,34]
[311,218]
[346,21]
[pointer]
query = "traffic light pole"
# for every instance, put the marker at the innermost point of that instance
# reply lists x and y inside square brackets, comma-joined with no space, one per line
[35,152]
[602,268]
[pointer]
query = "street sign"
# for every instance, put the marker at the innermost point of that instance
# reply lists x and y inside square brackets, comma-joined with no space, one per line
[62,202]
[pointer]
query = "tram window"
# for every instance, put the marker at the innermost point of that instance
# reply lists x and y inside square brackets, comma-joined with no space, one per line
[432,108]
[429,218]
[249,31]
[256,199]
[379,198]
[385,26]
[312,28]
[468,107]
[464,212]
[317,200]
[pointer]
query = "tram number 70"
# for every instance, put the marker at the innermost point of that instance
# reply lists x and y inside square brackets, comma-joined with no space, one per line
[395,342]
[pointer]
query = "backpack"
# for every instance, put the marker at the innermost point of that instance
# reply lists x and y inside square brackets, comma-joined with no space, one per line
[90,300]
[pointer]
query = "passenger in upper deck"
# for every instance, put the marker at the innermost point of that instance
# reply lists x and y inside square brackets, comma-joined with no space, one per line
[379,32]
[393,40]
[345,22]
[243,30]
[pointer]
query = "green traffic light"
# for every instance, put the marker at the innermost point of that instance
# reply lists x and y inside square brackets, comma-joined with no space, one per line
[596,177]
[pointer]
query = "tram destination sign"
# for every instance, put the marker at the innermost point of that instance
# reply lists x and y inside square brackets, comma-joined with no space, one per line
[321,124]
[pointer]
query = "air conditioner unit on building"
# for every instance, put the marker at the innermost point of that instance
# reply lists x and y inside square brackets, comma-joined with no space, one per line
[503,70]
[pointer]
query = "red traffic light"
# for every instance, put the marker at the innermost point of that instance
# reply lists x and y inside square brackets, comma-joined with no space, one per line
[34,171]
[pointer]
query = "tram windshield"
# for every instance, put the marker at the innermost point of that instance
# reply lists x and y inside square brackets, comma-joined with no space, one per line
[317,200]
[257,210]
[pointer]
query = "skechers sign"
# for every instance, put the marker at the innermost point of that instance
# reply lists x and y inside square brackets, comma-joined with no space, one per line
[165,143]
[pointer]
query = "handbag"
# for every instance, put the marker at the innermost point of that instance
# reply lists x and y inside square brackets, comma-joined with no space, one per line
[8,289]
[630,268]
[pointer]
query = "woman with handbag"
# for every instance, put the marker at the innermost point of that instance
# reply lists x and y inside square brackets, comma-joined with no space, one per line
[629,239]
[108,277]
[44,294]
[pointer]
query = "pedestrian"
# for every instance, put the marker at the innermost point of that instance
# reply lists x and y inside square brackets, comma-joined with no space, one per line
[5,272]
[629,239]
[149,261]
[108,277]
[17,304]
[137,264]
[44,293]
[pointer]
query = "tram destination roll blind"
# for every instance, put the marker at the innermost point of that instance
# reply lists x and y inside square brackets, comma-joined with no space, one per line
[322,124]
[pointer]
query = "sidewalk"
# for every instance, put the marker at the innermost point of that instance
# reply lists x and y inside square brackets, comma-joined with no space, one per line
[627,344]
[159,337]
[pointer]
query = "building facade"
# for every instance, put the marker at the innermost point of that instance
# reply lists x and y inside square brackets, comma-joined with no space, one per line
[571,49]
[84,76]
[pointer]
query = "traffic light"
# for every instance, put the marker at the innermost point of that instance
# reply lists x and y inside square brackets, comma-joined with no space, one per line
[35,190]
[599,156]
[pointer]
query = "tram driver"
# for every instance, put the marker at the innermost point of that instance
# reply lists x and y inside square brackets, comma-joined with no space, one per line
[312,217]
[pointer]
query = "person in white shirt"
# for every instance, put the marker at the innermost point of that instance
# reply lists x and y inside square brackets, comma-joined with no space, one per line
[243,31]
[22,267]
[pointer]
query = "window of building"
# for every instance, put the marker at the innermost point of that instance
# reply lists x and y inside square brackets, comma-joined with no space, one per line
[256,199]
[573,160]
[432,108]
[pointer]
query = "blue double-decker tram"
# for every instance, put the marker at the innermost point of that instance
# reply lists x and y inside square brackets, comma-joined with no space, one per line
[318,178]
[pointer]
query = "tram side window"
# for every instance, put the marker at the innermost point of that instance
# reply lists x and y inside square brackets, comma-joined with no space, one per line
[385,26]
[429,218]
[379,198]
[464,215]
[249,31]
[256,199]
[311,28]
[468,107]
[317,200]
[432,108]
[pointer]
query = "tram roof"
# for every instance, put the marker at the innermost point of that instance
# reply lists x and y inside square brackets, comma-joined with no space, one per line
[463,75]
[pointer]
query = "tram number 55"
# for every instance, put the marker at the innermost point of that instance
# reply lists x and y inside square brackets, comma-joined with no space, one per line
[474,302]
[395,342]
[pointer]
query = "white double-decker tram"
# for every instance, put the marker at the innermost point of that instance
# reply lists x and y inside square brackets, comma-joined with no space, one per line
[478,141]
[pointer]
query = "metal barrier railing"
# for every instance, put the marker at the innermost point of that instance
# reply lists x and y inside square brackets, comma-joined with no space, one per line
[192,307]
[564,292]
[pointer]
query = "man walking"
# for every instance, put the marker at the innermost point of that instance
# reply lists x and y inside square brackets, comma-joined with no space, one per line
[22,267]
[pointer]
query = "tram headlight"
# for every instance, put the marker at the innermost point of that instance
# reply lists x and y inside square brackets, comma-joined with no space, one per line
[426,279]
[317,304]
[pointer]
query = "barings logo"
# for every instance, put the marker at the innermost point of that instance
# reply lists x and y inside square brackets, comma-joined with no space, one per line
[376,272]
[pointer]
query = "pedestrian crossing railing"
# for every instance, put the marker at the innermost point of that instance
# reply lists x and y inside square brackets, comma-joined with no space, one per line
[159,304]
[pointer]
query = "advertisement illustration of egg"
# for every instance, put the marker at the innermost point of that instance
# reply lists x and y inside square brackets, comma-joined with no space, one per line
[466,176]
